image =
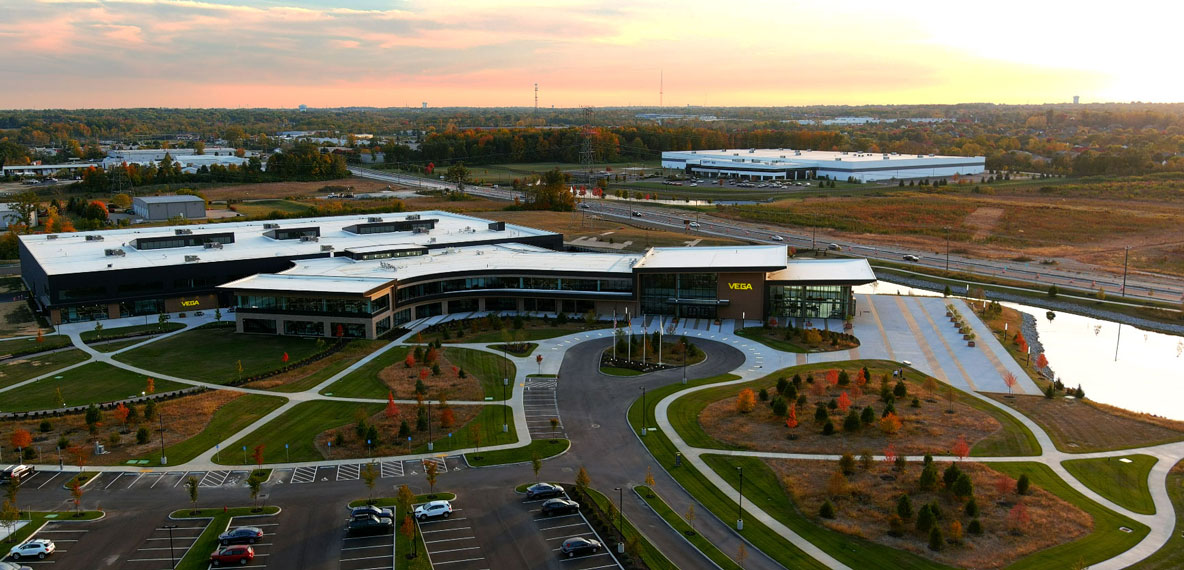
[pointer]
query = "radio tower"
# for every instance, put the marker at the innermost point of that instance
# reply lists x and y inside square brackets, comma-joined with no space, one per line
[587,149]
[536,98]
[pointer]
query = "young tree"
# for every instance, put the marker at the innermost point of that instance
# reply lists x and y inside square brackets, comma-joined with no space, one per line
[890,424]
[844,402]
[928,480]
[407,529]
[792,421]
[404,498]
[1022,484]
[963,487]
[925,519]
[690,516]
[836,486]
[257,455]
[447,418]
[150,410]
[94,418]
[536,465]
[255,483]
[369,475]
[431,469]
[582,479]
[76,492]
[649,477]
[10,515]
[904,507]
[150,386]
[1010,380]
[936,542]
[21,439]
[890,453]
[554,428]
[745,401]
[961,449]
[121,413]
[392,410]
[1018,518]
[475,435]
[950,475]
[192,485]
[1003,484]
[827,511]
[832,377]
[1041,361]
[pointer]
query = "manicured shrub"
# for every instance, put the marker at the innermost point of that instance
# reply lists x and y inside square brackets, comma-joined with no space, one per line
[827,511]
[904,507]
[1022,484]
[976,527]
[828,428]
[847,464]
[142,436]
[936,542]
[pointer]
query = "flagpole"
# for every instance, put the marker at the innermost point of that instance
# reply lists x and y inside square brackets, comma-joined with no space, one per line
[660,341]
[614,334]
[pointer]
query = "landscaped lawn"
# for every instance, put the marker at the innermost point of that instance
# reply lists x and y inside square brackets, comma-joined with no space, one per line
[364,382]
[297,428]
[38,518]
[1171,555]
[310,376]
[30,345]
[88,384]
[212,354]
[226,421]
[18,370]
[487,367]
[614,371]
[653,558]
[117,332]
[1104,542]
[115,345]
[542,448]
[681,525]
[1079,426]
[1123,483]
[490,420]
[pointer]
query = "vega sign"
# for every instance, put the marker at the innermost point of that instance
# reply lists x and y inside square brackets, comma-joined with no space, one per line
[740,286]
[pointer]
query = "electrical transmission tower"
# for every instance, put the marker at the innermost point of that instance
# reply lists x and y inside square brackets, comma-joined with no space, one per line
[588,147]
[536,98]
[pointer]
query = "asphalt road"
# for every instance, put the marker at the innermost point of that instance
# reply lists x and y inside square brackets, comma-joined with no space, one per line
[498,527]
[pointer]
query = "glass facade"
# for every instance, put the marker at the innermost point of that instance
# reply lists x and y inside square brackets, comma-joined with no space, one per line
[808,301]
[662,294]
[313,305]
[304,328]
[412,292]
[383,325]
[266,326]
[348,330]
[429,310]
[84,313]
[142,307]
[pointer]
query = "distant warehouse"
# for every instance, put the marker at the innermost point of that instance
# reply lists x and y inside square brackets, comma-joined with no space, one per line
[159,208]
[780,163]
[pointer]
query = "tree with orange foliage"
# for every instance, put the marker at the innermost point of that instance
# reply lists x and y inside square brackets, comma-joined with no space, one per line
[890,453]
[40,337]
[832,377]
[424,373]
[1041,361]
[745,401]
[1010,380]
[257,455]
[961,449]
[447,418]
[1004,484]
[151,388]
[890,424]
[1018,518]
[1021,342]
[860,378]
[844,402]
[392,411]
[792,421]
[21,438]
[432,356]
[121,412]
[409,361]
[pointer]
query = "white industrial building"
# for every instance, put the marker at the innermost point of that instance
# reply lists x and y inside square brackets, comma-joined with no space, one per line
[783,163]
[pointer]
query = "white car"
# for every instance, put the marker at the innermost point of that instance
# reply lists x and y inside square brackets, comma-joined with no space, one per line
[39,549]
[776,238]
[694,224]
[433,509]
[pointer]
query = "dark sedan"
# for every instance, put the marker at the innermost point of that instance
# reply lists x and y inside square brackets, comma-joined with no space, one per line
[368,524]
[241,535]
[559,507]
[580,545]
[543,491]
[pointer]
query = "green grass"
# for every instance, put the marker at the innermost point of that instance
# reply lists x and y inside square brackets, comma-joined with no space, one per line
[487,367]
[1104,542]
[681,525]
[211,354]
[38,518]
[540,333]
[763,489]
[543,448]
[773,343]
[227,421]
[81,477]
[353,352]
[364,382]
[91,383]
[297,427]
[19,370]
[198,557]
[699,487]
[117,332]
[529,346]
[1013,440]
[115,345]
[1123,483]
[490,420]
[265,207]
[653,558]
[1171,555]
[30,345]
[392,501]
[614,371]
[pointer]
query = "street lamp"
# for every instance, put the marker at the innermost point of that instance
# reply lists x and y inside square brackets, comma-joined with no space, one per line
[172,556]
[740,505]
[431,446]
[685,358]
[620,518]
[643,410]
[163,460]
[505,422]
[947,249]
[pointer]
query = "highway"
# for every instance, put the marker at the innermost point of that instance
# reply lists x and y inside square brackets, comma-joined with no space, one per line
[1138,285]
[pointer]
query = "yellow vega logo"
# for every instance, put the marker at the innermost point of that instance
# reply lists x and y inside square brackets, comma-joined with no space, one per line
[192,303]
[740,286]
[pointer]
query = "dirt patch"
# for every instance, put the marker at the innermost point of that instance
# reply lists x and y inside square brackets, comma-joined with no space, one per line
[286,189]
[928,428]
[401,379]
[1079,426]
[17,320]
[186,416]
[867,503]
[982,221]
[351,444]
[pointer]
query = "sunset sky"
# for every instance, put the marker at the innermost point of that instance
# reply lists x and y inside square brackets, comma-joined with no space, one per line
[385,53]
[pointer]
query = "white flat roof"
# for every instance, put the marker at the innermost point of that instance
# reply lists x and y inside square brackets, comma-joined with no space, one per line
[789,157]
[843,271]
[307,283]
[72,253]
[169,199]
[717,258]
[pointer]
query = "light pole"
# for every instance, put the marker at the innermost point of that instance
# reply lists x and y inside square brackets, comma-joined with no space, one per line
[172,557]
[431,446]
[740,504]
[685,358]
[163,460]
[620,518]
[505,422]
[643,430]
[947,249]
[1125,257]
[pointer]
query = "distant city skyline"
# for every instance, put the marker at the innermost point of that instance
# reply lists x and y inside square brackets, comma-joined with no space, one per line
[375,53]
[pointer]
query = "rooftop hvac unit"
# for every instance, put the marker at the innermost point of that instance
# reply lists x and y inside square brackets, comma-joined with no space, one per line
[886,157]
[480,252]
[421,230]
[183,232]
[114,252]
[326,248]
[412,216]
[213,245]
[309,238]
[839,158]
[51,236]
[431,240]
[189,258]
[271,226]
[373,219]
[94,238]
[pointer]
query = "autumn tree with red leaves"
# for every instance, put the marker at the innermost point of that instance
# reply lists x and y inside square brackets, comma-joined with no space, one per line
[745,401]
[121,413]
[21,438]
[447,418]
[392,411]
[961,449]
[1041,361]
[257,455]
[1010,380]
[151,387]
[792,421]
[409,361]
[832,377]
[890,453]
[844,402]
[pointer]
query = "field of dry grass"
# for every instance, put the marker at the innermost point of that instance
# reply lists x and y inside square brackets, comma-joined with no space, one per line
[867,499]
[402,379]
[1080,426]
[929,428]
[350,445]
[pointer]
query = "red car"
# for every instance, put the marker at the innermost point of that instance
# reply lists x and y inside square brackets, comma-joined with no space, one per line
[239,554]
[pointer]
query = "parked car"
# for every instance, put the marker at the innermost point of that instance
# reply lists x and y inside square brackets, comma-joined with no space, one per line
[636,214]
[543,491]
[911,257]
[834,247]
[433,509]
[580,545]
[16,472]
[38,548]
[372,511]
[694,224]
[776,237]
[366,525]
[240,554]
[559,507]
[241,535]
[14,566]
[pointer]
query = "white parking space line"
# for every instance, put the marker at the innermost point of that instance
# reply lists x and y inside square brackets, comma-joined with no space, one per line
[560,526]
[214,479]
[185,476]
[390,469]
[304,475]
[46,482]
[117,477]
[350,472]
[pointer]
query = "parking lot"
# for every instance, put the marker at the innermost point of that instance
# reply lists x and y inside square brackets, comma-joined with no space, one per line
[555,529]
[541,406]
[159,549]
[65,537]
[352,471]
[263,548]
[451,543]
